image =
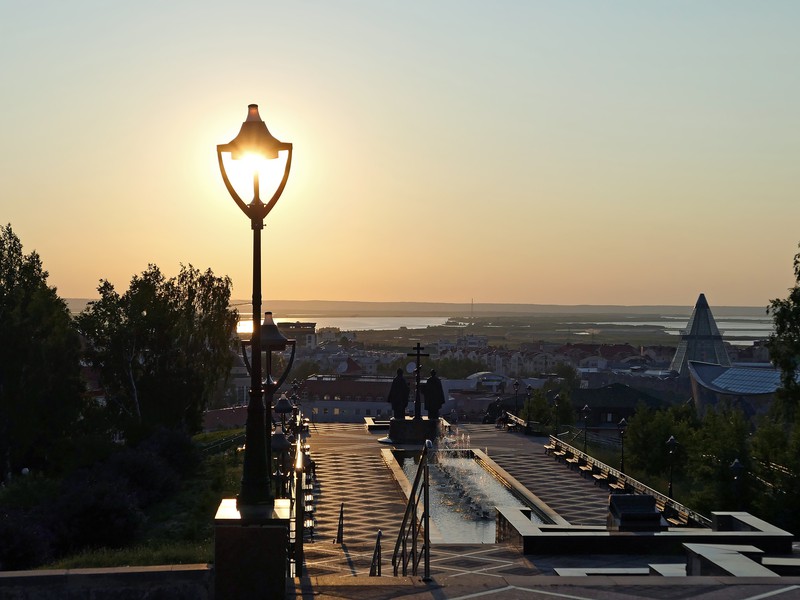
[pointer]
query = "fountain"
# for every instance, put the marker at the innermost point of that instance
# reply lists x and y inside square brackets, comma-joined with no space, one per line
[466,487]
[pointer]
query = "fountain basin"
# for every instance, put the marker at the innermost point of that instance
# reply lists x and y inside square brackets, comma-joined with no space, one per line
[466,488]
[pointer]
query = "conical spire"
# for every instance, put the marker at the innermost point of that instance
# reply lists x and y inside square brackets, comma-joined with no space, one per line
[701,340]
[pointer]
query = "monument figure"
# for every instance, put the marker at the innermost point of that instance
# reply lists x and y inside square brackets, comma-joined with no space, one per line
[398,395]
[434,396]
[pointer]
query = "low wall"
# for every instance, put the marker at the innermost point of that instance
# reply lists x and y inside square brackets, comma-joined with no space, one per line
[177,582]
[730,528]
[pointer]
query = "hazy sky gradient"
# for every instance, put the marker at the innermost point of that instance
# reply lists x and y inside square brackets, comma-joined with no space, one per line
[533,152]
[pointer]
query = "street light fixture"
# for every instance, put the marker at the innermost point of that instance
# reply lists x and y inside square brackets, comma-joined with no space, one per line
[555,405]
[255,140]
[622,425]
[737,469]
[672,444]
[283,406]
[516,389]
[585,412]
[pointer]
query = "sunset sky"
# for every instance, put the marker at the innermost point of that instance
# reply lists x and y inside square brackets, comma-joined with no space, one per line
[524,152]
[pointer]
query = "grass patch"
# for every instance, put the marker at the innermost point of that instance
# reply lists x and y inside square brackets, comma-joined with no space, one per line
[161,553]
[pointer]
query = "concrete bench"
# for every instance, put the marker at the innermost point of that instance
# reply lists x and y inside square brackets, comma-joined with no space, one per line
[608,571]
[785,566]
[725,560]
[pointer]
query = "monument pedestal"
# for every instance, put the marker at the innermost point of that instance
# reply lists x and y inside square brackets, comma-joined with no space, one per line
[251,551]
[412,431]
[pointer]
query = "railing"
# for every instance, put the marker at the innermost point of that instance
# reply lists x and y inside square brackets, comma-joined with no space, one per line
[630,483]
[375,565]
[407,550]
[605,440]
[527,426]
[223,444]
[302,499]
[298,508]
[340,528]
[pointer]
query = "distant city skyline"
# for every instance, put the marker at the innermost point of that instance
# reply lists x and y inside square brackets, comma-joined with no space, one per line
[613,153]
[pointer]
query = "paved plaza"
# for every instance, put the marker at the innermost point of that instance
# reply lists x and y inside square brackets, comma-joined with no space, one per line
[351,472]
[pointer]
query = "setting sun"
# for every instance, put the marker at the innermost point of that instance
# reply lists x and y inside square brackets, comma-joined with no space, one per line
[241,173]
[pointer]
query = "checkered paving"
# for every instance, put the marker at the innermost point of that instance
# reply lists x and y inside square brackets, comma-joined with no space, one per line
[578,500]
[465,571]
[350,471]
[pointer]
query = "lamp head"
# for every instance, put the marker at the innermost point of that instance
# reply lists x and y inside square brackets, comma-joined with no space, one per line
[253,138]
[272,340]
[282,405]
[279,442]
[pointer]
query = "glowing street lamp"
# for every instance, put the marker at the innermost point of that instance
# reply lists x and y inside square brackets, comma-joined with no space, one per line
[255,143]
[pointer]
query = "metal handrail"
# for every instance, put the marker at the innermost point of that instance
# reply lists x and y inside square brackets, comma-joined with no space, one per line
[375,566]
[299,510]
[415,523]
[223,444]
[340,528]
[637,486]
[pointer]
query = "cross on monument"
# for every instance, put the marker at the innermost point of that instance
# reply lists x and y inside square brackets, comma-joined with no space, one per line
[417,401]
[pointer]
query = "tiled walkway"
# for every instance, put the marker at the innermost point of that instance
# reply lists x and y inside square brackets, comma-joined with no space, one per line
[576,499]
[350,471]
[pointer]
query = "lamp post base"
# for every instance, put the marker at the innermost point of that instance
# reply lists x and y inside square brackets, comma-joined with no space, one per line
[251,550]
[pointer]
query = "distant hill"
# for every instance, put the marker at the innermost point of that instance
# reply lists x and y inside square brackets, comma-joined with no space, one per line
[334,308]
[320,308]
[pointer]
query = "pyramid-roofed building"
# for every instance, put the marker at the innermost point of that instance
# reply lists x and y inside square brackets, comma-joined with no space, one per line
[700,341]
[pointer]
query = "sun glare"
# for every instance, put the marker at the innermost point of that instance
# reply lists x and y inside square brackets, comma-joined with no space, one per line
[241,171]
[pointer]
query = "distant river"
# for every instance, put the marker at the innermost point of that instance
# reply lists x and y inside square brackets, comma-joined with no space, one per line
[356,323]
[735,329]
[738,330]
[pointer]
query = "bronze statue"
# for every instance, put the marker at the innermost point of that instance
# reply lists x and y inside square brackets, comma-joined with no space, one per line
[434,396]
[398,395]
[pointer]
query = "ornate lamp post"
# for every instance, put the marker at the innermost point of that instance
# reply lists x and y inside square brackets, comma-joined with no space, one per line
[622,425]
[254,139]
[555,405]
[280,448]
[516,390]
[737,469]
[585,411]
[672,444]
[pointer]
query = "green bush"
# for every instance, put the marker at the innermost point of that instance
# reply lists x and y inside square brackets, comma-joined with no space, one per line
[93,513]
[24,542]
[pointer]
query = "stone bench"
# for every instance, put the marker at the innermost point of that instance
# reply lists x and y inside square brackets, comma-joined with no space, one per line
[608,571]
[725,560]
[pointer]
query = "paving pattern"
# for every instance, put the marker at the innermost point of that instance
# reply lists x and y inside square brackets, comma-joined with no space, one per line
[578,500]
[350,471]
